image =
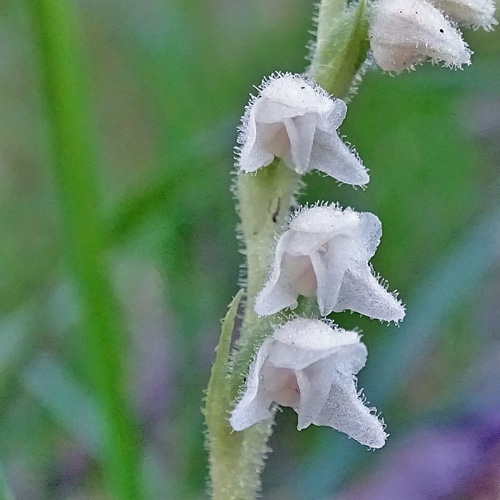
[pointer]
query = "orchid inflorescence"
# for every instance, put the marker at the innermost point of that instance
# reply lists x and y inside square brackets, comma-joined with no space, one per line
[323,254]
[303,266]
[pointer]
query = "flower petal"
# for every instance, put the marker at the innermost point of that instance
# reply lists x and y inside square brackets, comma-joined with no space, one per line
[273,139]
[301,132]
[325,219]
[313,335]
[296,244]
[345,412]
[297,93]
[292,358]
[268,110]
[274,297]
[370,232]
[303,342]
[277,292]
[335,117]
[330,268]
[362,293]
[315,380]
[253,154]
[300,275]
[331,156]
[255,404]
[314,385]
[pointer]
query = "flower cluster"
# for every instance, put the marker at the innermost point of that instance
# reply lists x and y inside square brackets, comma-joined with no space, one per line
[323,254]
[289,353]
[407,32]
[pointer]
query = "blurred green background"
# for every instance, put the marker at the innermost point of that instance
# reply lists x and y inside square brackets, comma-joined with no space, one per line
[164,85]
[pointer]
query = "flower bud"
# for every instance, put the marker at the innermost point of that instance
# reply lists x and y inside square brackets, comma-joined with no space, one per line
[407,32]
[475,13]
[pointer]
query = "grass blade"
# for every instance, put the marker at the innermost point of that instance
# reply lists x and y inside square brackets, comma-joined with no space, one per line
[75,175]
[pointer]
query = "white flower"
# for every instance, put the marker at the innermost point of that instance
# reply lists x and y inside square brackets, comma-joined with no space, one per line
[475,13]
[407,32]
[325,254]
[310,367]
[295,120]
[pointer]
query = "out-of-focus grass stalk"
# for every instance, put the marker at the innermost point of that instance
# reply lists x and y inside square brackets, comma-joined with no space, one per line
[74,169]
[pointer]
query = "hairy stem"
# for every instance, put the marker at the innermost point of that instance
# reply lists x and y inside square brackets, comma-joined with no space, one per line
[237,458]
[266,199]
[341,46]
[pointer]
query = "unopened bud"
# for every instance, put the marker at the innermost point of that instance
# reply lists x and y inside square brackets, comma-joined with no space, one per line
[407,32]
[475,13]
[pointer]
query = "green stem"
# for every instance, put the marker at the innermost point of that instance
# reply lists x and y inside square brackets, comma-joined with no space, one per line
[265,202]
[237,458]
[74,169]
[237,462]
[341,45]
[265,199]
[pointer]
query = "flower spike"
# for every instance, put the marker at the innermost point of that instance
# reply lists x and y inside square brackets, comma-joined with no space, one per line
[297,121]
[325,254]
[311,367]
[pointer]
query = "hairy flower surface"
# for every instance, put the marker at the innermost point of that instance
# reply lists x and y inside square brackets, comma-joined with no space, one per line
[325,254]
[297,121]
[407,32]
[310,367]
[475,13]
